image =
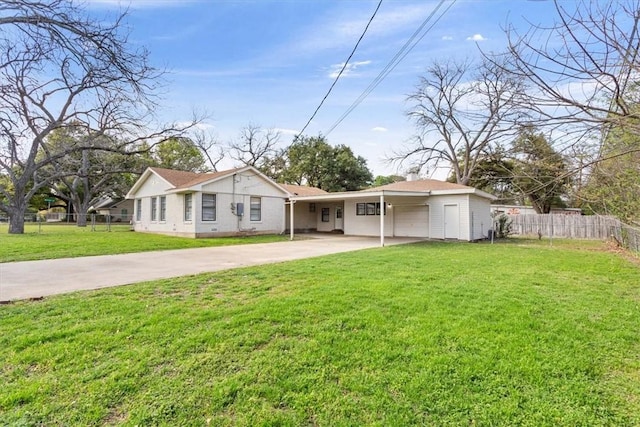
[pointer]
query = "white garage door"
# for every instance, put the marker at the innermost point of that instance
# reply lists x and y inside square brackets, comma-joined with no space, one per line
[411,221]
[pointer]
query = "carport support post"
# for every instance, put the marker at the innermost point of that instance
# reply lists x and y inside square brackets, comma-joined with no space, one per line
[382,208]
[291,219]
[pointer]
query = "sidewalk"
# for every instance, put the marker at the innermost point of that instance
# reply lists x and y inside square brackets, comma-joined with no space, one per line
[34,279]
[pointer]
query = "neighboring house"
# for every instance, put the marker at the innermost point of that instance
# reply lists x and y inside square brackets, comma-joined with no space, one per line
[120,210]
[225,203]
[423,208]
[244,200]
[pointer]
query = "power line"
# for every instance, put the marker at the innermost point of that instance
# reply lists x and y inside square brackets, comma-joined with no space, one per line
[397,58]
[343,67]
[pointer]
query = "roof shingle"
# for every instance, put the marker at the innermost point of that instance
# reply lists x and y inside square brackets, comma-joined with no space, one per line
[425,185]
[184,179]
[302,190]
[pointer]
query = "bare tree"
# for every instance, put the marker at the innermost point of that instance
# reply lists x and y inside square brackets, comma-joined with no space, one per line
[255,145]
[581,70]
[460,111]
[58,66]
[210,147]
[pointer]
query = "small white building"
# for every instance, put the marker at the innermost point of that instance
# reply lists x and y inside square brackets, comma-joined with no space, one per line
[423,208]
[243,200]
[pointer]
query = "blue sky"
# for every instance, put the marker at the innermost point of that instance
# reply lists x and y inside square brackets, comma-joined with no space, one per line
[270,63]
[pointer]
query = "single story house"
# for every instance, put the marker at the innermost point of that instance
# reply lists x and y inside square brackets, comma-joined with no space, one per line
[422,208]
[230,202]
[244,200]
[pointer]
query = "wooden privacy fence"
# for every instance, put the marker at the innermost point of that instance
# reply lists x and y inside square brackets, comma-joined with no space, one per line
[576,227]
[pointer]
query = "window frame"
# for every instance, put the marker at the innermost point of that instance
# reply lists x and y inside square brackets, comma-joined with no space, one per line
[207,205]
[154,208]
[188,207]
[253,211]
[163,208]
[370,209]
[325,215]
[138,209]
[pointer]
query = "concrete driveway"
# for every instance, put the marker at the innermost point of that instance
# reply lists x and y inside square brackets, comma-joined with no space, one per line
[34,279]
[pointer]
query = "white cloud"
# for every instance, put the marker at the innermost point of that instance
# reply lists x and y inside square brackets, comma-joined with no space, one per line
[379,129]
[447,38]
[340,28]
[349,69]
[284,131]
[476,38]
[200,126]
[139,4]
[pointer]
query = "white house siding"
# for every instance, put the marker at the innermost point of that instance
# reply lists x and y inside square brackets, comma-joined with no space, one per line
[365,225]
[247,185]
[152,187]
[481,217]
[304,219]
[437,211]
[174,223]
[329,225]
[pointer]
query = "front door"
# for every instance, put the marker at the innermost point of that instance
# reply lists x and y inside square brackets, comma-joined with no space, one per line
[338,223]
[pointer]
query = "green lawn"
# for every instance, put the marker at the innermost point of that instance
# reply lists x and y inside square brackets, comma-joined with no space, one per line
[431,334]
[68,241]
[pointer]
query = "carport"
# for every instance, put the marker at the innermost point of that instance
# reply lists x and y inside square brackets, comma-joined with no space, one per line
[366,203]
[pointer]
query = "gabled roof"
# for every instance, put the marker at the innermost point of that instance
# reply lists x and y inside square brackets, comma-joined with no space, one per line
[302,190]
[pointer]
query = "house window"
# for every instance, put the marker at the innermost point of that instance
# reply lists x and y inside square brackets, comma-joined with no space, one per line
[339,213]
[325,214]
[163,208]
[369,209]
[312,207]
[256,209]
[154,209]
[188,205]
[208,207]
[139,210]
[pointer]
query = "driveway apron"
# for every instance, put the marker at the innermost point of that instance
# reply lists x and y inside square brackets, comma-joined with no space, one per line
[34,279]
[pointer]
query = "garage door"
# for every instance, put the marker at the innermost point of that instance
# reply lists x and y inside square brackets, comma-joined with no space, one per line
[411,221]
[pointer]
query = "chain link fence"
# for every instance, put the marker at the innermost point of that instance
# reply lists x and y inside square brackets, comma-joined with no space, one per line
[94,221]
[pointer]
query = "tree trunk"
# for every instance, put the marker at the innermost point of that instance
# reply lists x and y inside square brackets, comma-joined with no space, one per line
[82,220]
[16,216]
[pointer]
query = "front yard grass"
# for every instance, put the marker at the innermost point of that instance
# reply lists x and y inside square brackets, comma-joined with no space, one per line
[53,241]
[430,334]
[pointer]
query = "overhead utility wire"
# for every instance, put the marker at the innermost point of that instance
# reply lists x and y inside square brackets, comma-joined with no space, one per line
[391,65]
[343,67]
